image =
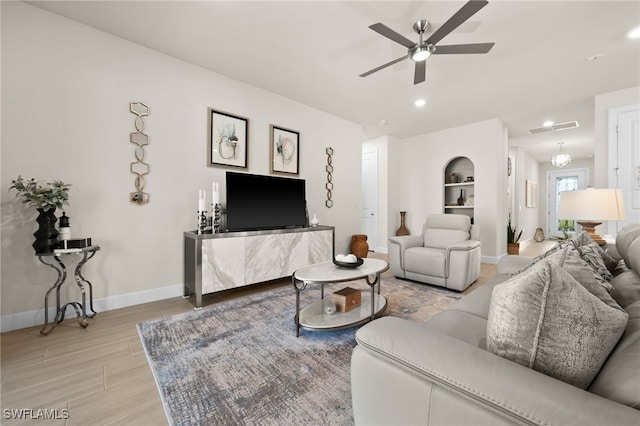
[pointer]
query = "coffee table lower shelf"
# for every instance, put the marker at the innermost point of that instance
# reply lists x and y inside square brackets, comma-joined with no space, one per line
[313,316]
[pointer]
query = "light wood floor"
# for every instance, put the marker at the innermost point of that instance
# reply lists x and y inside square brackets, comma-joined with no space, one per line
[100,374]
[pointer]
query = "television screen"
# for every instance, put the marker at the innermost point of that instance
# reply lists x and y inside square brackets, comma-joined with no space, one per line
[264,202]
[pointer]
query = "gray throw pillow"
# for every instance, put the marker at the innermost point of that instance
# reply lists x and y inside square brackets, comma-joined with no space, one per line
[581,239]
[570,260]
[592,253]
[545,320]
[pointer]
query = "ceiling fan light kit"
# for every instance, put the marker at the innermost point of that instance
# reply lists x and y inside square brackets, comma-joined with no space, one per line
[421,51]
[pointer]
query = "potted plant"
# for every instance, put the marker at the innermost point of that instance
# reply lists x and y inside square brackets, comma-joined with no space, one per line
[513,236]
[46,198]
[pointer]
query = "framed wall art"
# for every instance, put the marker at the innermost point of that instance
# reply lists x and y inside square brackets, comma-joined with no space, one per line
[531,194]
[228,139]
[285,150]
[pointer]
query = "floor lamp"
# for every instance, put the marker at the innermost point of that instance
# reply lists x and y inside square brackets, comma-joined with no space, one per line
[590,207]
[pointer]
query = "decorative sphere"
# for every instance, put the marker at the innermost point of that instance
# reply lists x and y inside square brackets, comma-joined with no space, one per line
[329,308]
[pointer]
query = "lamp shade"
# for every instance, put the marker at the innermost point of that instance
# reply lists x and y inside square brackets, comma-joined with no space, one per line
[592,204]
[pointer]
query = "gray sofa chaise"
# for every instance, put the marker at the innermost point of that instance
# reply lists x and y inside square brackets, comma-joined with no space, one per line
[441,372]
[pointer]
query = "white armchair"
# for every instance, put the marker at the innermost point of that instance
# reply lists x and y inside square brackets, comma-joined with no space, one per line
[447,253]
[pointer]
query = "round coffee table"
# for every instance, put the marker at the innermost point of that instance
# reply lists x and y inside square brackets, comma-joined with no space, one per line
[314,317]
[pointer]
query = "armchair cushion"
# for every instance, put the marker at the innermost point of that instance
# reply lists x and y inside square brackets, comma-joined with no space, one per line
[425,261]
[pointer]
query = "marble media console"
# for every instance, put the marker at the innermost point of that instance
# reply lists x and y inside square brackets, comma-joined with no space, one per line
[216,262]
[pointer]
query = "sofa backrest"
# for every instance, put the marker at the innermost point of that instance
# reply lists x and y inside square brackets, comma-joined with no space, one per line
[628,246]
[442,230]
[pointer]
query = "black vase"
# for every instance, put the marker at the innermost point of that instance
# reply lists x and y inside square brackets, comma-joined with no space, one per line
[47,234]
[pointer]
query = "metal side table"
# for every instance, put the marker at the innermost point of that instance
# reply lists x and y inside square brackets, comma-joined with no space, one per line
[59,266]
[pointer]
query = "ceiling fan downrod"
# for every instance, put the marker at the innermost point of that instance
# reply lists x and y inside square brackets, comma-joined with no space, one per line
[421,51]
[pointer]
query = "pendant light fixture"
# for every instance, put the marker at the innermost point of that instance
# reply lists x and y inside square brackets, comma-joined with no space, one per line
[560,159]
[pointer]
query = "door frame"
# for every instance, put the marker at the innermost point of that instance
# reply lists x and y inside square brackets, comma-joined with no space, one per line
[552,174]
[373,238]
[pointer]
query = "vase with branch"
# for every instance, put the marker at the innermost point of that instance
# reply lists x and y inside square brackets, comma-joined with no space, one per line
[46,198]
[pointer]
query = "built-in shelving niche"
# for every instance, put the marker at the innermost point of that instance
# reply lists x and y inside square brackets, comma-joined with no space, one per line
[460,190]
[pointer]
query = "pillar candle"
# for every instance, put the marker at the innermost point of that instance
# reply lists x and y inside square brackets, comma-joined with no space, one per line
[201,200]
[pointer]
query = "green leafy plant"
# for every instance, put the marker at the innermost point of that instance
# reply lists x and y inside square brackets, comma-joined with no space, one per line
[513,236]
[47,196]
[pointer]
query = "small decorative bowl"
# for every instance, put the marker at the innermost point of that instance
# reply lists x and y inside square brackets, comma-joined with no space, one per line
[349,265]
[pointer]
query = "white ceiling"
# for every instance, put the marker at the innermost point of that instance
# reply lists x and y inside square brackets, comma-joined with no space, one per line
[314,51]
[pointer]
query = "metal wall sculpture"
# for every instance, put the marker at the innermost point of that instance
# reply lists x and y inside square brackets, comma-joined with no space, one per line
[140,139]
[329,169]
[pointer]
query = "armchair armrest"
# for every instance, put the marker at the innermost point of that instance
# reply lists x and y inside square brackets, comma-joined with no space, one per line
[463,245]
[407,241]
[482,384]
[397,247]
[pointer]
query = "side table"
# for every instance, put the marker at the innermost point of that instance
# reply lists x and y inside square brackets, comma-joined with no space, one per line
[59,266]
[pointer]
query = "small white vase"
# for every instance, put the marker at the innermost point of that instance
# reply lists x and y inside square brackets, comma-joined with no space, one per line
[314,221]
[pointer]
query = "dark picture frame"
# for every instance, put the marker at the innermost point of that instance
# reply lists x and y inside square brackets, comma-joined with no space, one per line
[285,150]
[228,139]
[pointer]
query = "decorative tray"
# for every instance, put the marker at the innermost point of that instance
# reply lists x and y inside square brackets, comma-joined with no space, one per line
[349,265]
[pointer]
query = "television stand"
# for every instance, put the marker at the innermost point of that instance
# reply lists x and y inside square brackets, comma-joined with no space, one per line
[226,260]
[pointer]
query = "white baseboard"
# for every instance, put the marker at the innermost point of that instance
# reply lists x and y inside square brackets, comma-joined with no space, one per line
[36,317]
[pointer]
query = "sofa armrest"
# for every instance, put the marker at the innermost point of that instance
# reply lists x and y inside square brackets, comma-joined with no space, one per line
[456,374]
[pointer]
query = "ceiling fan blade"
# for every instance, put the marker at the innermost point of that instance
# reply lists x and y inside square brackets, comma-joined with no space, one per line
[463,48]
[420,73]
[392,35]
[388,64]
[466,12]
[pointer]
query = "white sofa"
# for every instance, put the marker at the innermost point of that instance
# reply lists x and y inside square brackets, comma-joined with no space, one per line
[441,372]
[447,253]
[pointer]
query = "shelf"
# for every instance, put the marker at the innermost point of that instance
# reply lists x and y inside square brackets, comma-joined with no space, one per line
[458,207]
[313,316]
[459,184]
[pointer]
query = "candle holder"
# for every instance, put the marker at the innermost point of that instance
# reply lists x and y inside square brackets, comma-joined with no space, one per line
[215,219]
[202,221]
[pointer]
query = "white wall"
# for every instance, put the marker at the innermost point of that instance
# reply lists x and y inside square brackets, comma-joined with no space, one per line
[526,218]
[422,162]
[65,110]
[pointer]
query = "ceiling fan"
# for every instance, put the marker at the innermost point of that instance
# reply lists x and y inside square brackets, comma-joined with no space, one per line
[419,52]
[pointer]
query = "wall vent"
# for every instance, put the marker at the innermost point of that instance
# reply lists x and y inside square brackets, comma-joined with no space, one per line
[555,127]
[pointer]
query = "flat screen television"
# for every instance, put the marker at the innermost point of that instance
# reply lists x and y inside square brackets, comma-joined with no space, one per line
[256,202]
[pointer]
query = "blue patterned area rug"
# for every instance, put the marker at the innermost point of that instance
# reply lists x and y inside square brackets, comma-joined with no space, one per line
[239,362]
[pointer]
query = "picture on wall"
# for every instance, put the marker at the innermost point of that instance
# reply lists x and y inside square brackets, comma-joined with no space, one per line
[228,139]
[285,150]
[531,194]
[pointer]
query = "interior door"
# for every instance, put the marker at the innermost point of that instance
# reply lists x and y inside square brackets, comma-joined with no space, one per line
[625,163]
[368,214]
[557,182]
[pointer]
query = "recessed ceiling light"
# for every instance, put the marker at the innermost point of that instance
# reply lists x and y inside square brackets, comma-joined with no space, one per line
[420,103]
[548,123]
[634,33]
[383,122]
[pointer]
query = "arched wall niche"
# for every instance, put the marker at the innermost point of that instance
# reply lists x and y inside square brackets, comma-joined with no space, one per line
[459,184]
